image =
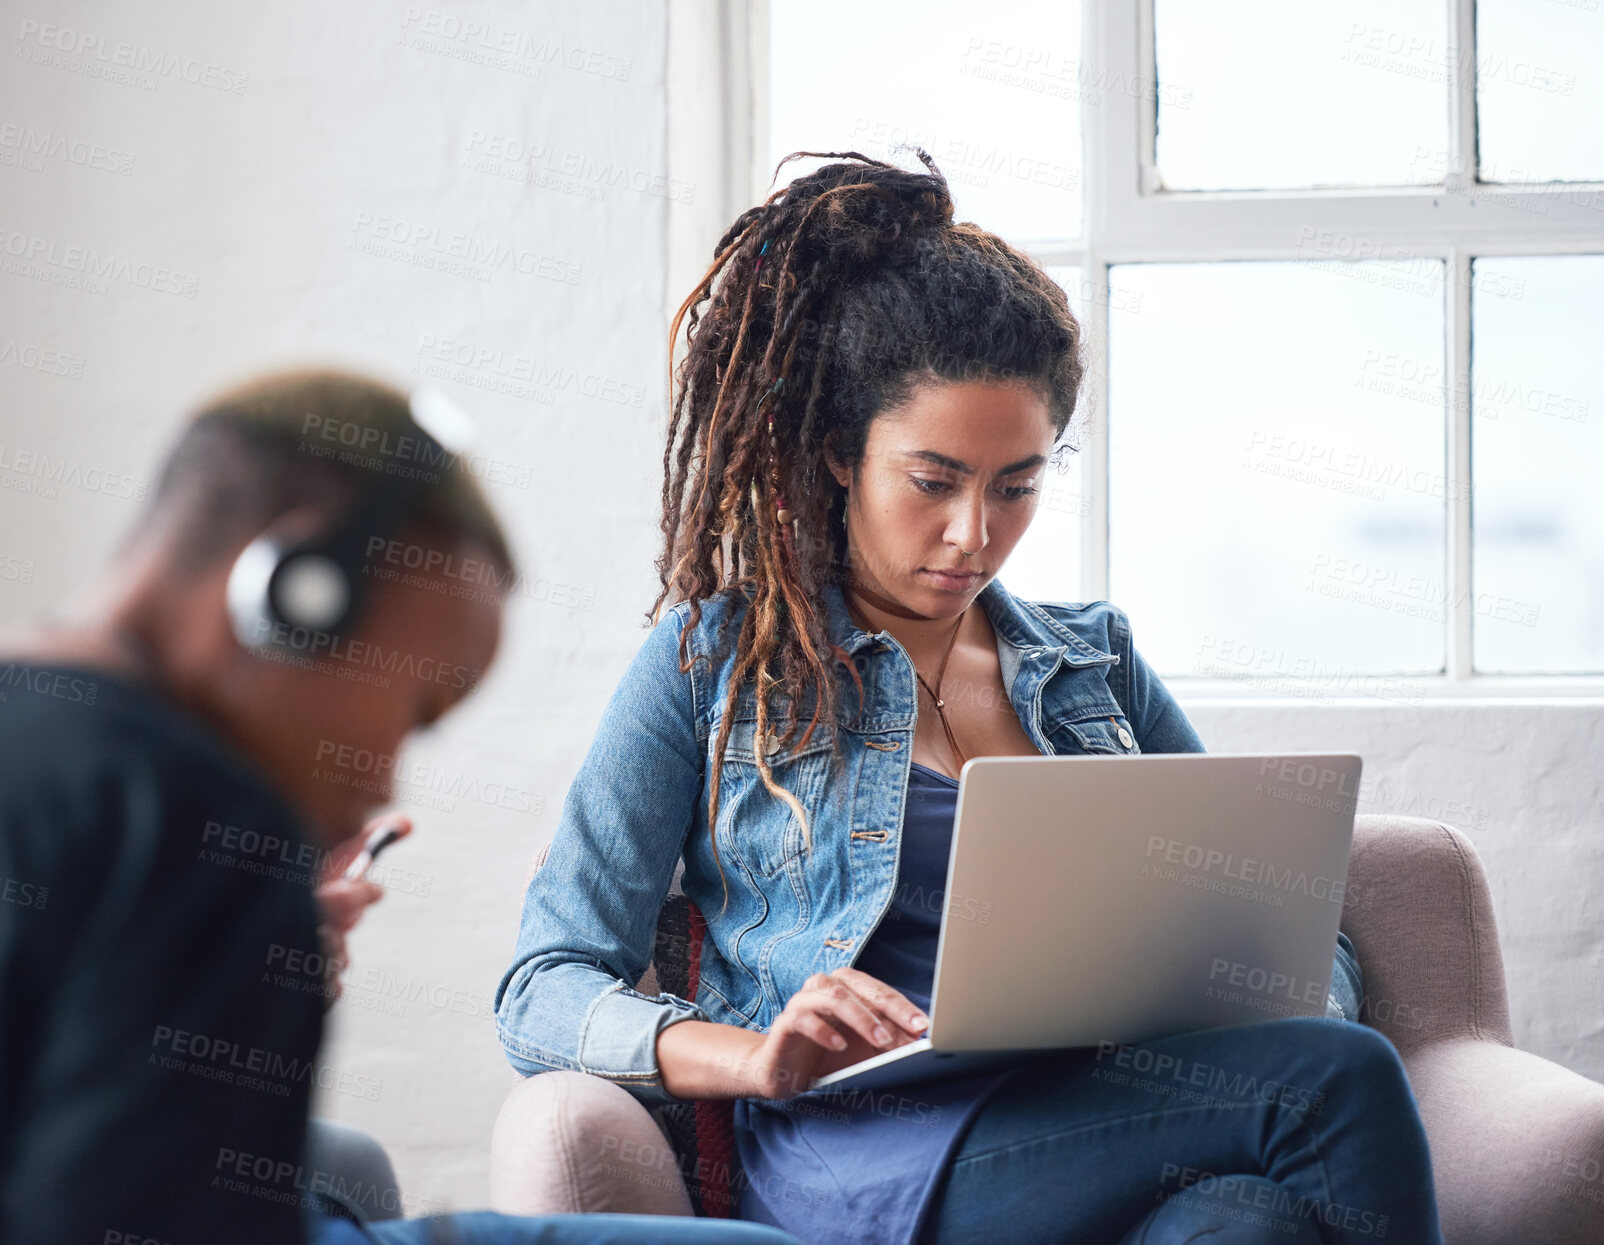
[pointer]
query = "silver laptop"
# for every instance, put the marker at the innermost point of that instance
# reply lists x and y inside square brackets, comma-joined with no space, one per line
[1122,898]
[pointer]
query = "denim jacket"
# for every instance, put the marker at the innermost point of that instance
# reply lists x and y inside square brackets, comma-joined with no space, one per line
[638,806]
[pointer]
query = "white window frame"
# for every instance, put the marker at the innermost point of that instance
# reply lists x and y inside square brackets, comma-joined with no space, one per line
[718,68]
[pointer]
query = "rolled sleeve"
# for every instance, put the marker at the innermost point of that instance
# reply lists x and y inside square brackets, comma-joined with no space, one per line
[620,1037]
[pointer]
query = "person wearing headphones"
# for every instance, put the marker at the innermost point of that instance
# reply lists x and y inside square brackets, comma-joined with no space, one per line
[168,805]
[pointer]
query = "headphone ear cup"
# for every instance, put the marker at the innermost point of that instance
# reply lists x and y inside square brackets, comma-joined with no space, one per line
[274,584]
[312,590]
[250,607]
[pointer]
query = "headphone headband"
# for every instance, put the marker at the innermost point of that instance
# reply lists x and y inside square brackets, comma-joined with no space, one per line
[314,584]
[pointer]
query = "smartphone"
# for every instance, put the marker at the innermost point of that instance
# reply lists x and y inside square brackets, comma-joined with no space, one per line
[380,839]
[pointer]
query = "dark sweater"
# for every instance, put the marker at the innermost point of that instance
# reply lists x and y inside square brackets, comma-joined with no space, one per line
[160,1000]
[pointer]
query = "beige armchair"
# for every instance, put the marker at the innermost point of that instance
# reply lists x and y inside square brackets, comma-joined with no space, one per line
[1517,1141]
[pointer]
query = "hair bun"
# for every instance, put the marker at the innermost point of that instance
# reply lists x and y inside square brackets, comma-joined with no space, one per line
[864,203]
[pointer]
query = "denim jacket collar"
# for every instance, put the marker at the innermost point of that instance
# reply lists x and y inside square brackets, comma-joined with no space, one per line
[1025,632]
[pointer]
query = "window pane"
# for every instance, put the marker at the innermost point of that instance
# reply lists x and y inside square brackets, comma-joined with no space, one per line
[1276,498]
[991,92]
[1537,455]
[1272,94]
[1045,564]
[1539,99]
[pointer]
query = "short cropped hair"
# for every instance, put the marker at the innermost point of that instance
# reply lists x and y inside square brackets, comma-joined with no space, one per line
[312,438]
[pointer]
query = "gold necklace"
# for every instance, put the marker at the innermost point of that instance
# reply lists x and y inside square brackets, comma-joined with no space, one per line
[892,607]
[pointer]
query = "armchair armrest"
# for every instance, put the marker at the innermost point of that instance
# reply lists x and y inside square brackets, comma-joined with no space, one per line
[571,1143]
[1421,919]
[567,1142]
[1517,1142]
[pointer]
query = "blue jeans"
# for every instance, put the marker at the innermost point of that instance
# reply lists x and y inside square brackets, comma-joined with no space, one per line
[1291,1130]
[487,1228]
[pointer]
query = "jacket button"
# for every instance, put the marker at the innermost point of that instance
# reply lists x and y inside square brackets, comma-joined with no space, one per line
[774,745]
[1125,737]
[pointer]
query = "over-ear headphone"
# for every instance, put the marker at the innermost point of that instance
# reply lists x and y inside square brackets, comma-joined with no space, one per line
[281,585]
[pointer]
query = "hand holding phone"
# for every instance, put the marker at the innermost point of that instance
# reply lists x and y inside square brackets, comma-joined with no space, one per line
[342,900]
[392,830]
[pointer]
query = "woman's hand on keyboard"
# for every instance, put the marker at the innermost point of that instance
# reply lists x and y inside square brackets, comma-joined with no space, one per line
[835,1020]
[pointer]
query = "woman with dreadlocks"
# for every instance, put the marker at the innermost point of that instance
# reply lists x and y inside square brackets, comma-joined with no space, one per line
[869,396]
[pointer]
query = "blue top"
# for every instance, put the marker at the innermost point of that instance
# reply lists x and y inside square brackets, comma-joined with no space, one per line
[861,1165]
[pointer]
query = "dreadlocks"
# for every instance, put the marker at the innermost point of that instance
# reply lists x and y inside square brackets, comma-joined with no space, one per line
[825,305]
